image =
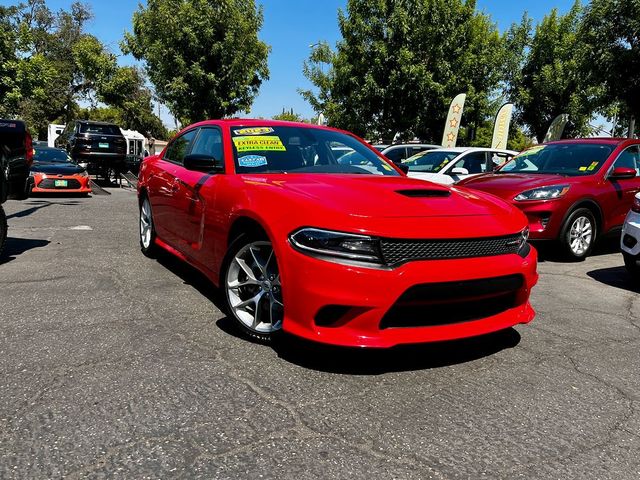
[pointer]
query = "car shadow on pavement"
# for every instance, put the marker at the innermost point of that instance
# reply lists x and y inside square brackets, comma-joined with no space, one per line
[356,361]
[17,246]
[615,277]
[375,361]
[37,205]
[552,252]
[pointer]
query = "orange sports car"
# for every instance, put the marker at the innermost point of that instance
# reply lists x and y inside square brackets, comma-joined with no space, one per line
[54,172]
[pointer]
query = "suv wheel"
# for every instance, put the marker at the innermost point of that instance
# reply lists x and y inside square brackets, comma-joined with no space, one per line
[3,229]
[633,265]
[578,234]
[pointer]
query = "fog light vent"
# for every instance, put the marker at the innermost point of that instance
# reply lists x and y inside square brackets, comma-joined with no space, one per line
[629,241]
[330,315]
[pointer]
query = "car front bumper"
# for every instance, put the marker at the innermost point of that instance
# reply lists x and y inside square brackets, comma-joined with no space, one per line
[46,184]
[351,306]
[630,239]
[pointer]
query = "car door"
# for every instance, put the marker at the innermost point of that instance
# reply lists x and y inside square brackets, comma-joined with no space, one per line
[189,204]
[163,187]
[621,192]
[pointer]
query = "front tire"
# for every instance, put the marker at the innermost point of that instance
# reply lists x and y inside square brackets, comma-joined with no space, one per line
[632,265]
[3,229]
[578,234]
[147,229]
[253,292]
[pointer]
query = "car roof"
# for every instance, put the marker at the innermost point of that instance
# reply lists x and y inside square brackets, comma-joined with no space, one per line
[414,145]
[595,140]
[95,122]
[473,149]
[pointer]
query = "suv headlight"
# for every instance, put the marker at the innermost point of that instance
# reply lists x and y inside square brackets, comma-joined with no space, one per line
[326,243]
[543,193]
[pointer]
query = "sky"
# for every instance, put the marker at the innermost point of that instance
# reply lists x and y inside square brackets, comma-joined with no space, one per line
[290,27]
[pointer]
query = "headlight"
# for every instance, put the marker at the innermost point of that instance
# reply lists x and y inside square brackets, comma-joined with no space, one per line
[326,243]
[524,248]
[543,193]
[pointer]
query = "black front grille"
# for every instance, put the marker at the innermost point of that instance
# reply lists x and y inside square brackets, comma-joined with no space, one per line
[434,304]
[72,184]
[396,252]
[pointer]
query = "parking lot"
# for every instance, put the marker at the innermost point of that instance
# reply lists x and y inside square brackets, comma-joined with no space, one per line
[116,365]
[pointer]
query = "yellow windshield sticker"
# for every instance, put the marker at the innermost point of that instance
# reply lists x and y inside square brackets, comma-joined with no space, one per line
[583,169]
[592,166]
[261,143]
[254,131]
[387,167]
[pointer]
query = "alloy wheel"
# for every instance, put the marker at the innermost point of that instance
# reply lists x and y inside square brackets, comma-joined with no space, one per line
[146,224]
[253,288]
[580,236]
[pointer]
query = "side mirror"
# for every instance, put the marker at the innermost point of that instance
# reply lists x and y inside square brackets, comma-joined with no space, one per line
[201,163]
[404,168]
[621,173]
[459,171]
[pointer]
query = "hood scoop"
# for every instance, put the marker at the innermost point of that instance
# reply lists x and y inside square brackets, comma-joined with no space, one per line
[424,193]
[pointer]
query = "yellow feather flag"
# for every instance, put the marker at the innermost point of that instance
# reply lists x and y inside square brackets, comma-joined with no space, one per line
[452,127]
[501,126]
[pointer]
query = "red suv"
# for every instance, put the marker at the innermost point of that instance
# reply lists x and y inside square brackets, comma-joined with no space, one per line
[572,191]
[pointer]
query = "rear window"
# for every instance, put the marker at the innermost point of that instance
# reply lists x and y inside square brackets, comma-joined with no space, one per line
[99,129]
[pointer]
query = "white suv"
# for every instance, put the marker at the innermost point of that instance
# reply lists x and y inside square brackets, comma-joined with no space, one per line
[630,240]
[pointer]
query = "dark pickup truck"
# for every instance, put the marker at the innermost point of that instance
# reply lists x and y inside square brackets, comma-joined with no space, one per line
[100,147]
[16,156]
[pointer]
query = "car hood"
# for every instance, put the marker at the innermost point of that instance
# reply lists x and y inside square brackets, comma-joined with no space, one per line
[382,196]
[56,168]
[508,185]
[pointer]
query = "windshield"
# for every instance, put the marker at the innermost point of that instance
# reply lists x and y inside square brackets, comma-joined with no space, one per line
[571,159]
[303,150]
[50,155]
[430,161]
[99,128]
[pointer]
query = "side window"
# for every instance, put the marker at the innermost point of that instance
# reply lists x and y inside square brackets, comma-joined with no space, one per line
[209,143]
[498,159]
[474,162]
[629,158]
[396,155]
[180,146]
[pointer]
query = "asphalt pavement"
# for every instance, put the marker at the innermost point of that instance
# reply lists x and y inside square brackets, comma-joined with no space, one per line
[115,365]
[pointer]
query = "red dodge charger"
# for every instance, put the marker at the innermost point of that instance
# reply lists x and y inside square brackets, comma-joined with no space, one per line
[346,254]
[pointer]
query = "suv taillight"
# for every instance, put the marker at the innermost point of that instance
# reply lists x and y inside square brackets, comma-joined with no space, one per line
[636,205]
[28,146]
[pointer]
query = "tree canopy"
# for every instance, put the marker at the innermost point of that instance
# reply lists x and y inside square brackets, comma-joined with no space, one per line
[49,65]
[203,57]
[400,63]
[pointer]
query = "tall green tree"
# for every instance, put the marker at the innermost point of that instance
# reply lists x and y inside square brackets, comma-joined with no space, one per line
[543,74]
[610,38]
[48,64]
[400,63]
[203,57]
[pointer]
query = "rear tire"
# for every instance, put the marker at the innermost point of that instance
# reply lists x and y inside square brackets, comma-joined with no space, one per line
[578,234]
[147,229]
[3,229]
[632,265]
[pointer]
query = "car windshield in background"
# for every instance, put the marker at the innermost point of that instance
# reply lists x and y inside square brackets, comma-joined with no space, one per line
[430,161]
[571,159]
[50,155]
[99,129]
[303,150]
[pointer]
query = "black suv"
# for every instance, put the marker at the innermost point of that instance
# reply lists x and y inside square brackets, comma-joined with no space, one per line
[99,145]
[16,155]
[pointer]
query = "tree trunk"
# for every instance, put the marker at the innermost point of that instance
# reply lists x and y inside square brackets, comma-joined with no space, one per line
[632,126]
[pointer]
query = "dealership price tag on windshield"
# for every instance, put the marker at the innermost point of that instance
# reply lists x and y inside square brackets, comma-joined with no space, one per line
[269,143]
